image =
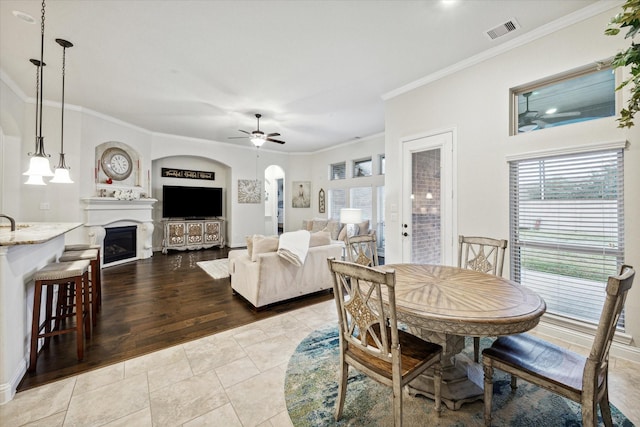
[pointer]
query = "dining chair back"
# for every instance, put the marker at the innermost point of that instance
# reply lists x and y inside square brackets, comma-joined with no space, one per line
[482,254]
[362,249]
[370,340]
[571,375]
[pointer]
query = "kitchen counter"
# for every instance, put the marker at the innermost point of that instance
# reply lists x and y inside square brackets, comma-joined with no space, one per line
[34,233]
[22,253]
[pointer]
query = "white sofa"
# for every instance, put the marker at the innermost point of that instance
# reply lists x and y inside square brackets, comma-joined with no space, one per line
[268,278]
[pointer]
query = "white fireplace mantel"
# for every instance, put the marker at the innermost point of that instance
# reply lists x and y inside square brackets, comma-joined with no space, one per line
[105,212]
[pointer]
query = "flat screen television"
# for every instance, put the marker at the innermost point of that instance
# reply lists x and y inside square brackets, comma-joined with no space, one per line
[191,202]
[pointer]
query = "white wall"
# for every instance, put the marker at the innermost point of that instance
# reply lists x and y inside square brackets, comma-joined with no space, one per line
[475,102]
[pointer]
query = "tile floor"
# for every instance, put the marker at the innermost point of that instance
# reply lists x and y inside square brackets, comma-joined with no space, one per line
[234,378]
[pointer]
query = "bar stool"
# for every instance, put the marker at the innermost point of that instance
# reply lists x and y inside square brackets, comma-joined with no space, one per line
[94,289]
[83,247]
[49,277]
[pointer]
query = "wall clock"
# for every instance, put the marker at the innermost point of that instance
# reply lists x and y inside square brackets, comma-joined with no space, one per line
[116,163]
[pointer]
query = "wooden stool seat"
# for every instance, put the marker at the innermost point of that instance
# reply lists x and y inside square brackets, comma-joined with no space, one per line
[59,275]
[95,290]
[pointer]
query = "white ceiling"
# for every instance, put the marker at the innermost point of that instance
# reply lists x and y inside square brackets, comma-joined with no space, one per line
[315,70]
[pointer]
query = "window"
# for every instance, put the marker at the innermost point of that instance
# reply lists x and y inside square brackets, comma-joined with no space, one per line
[581,95]
[337,200]
[567,229]
[361,199]
[362,168]
[338,171]
[382,166]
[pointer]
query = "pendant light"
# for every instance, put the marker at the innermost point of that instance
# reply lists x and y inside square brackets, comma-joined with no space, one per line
[61,175]
[39,162]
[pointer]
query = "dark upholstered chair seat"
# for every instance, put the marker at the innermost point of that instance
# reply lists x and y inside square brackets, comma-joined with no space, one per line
[540,358]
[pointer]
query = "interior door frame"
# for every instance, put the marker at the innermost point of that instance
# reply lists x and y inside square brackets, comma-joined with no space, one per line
[445,140]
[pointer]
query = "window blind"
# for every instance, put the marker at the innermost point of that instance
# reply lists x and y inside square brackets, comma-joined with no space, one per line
[567,229]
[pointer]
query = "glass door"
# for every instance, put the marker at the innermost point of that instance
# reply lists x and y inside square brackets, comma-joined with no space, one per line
[427,211]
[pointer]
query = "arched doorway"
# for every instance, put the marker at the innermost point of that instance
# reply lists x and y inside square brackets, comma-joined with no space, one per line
[273,200]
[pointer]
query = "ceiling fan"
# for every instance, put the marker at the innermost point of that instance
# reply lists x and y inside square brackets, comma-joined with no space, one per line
[258,137]
[529,120]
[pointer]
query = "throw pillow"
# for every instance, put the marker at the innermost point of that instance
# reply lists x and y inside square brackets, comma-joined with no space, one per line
[249,240]
[363,227]
[333,227]
[348,230]
[307,224]
[320,238]
[263,244]
[319,224]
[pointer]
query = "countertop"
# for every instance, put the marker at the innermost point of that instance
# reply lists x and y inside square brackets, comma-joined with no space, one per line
[33,233]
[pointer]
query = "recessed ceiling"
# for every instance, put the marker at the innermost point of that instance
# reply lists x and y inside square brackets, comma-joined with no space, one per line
[315,70]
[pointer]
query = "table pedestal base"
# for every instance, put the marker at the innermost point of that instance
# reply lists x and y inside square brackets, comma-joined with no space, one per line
[456,388]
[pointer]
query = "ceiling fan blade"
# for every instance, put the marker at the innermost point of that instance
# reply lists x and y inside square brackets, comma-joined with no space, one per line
[244,131]
[269,135]
[237,137]
[275,140]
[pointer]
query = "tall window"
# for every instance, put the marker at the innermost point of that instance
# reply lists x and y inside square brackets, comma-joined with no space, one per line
[361,198]
[567,229]
[337,200]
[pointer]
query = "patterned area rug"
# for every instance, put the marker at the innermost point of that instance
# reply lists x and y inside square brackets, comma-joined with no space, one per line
[216,268]
[311,388]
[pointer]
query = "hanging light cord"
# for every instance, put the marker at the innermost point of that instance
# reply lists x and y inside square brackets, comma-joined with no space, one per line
[41,67]
[64,55]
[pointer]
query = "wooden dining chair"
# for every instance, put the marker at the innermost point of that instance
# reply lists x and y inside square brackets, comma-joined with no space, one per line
[362,249]
[481,254]
[370,340]
[571,375]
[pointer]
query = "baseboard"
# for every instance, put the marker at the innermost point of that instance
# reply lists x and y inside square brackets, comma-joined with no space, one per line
[618,349]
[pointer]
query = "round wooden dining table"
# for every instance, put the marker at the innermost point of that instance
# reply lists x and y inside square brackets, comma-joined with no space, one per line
[444,304]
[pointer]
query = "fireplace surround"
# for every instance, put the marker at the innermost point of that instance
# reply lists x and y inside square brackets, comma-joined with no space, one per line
[102,213]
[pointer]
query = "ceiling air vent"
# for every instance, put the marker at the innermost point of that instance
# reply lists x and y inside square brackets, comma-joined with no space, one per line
[502,29]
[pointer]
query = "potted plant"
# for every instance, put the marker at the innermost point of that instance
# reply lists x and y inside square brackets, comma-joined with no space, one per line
[628,19]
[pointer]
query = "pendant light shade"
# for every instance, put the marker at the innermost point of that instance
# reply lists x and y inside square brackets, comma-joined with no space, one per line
[35,180]
[62,172]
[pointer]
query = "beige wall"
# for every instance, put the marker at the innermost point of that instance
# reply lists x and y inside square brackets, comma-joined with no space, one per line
[475,103]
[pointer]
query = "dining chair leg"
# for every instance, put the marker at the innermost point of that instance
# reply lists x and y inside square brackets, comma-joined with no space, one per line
[476,349]
[488,393]
[397,403]
[342,387]
[605,409]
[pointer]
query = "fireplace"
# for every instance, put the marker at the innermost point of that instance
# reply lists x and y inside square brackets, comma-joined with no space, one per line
[119,243]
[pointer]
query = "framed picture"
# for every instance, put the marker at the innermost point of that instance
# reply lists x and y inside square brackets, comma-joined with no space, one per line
[249,190]
[321,202]
[301,191]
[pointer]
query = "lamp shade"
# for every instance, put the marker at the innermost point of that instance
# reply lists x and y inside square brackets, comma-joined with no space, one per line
[350,216]
[61,176]
[35,180]
[39,165]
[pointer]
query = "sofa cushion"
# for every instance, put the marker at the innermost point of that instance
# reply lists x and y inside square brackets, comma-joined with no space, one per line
[263,244]
[320,238]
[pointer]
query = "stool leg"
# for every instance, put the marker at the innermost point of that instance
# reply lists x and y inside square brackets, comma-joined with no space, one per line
[98,281]
[48,317]
[87,305]
[35,326]
[94,293]
[78,282]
